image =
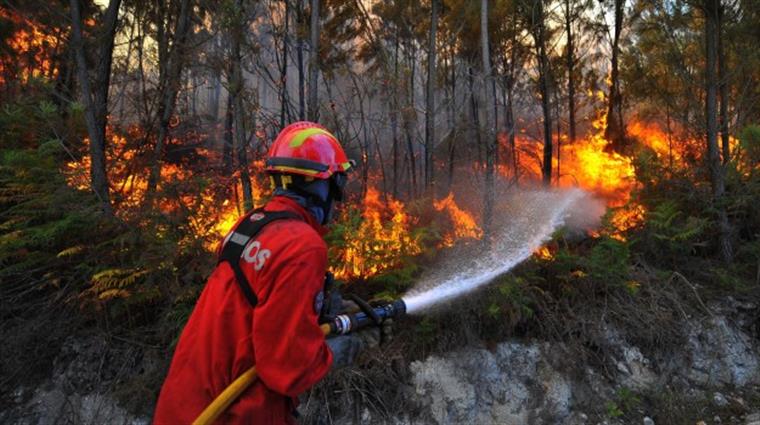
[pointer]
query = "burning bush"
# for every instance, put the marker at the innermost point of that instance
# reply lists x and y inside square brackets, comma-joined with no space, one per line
[379,238]
[462,224]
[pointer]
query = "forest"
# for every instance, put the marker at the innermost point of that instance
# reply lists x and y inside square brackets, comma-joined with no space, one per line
[134,134]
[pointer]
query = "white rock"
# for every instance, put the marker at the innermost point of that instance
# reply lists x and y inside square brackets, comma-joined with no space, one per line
[720,400]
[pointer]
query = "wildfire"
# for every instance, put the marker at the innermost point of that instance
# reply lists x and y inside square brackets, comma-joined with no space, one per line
[585,163]
[653,137]
[463,225]
[31,49]
[380,243]
[210,204]
[590,165]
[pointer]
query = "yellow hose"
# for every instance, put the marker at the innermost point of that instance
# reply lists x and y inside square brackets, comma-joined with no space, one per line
[233,391]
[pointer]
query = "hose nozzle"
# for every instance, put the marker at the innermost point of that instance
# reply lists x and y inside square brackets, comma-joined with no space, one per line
[345,323]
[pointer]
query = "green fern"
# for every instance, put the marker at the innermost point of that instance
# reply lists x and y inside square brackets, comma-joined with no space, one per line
[669,225]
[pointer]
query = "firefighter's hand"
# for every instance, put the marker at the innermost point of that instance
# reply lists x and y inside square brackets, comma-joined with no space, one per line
[345,348]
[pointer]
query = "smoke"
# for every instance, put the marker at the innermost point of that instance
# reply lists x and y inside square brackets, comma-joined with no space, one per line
[523,221]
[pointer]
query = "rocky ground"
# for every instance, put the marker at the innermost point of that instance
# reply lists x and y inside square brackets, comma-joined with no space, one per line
[714,378]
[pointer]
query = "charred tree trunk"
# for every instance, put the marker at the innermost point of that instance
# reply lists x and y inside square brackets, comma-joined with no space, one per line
[430,108]
[314,63]
[711,9]
[95,95]
[615,130]
[170,86]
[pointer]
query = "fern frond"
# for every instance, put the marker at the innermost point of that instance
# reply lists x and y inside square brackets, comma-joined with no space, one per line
[68,252]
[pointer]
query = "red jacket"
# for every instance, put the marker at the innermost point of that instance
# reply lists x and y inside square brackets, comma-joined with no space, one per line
[225,336]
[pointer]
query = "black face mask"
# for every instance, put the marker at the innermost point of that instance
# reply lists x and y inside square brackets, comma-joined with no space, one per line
[337,186]
[315,195]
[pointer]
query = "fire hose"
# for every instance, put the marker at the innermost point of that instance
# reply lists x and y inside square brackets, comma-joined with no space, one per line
[340,325]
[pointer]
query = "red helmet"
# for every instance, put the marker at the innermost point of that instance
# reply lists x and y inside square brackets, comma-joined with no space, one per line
[307,149]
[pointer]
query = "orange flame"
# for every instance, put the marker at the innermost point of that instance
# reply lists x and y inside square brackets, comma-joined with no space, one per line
[381,242]
[209,208]
[463,224]
[543,253]
[32,50]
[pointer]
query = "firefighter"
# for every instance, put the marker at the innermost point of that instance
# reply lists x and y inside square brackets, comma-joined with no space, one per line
[260,305]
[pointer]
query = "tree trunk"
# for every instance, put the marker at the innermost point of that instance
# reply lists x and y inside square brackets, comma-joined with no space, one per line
[236,92]
[314,63]
[474,108]
[228,143]
[394,116]
[723,88]
[711,8]
[490,121]
[410,118]
[615,130]
[95,96]
[284,71]
[539,36]
[509,119]
[430,107]
[301,79]
[570,72]
[174,64]
[452,120]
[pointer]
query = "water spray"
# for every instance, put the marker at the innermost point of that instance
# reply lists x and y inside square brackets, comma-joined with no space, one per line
[533,217]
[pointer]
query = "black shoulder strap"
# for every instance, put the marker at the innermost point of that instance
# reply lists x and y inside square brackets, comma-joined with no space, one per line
[239,238]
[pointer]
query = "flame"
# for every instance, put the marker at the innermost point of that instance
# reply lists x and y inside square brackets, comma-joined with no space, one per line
[380,243]
[463,224]
[585,163]
[543,253]
[591,165]
[31,50]
[209,204]
[588,163]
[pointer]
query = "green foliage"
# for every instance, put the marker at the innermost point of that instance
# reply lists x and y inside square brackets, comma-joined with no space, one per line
[609,262]
[55,243]
[624,404]
[41,220]
[612,409]
[749,140]
[669,226]
[426,330]
[509,301]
